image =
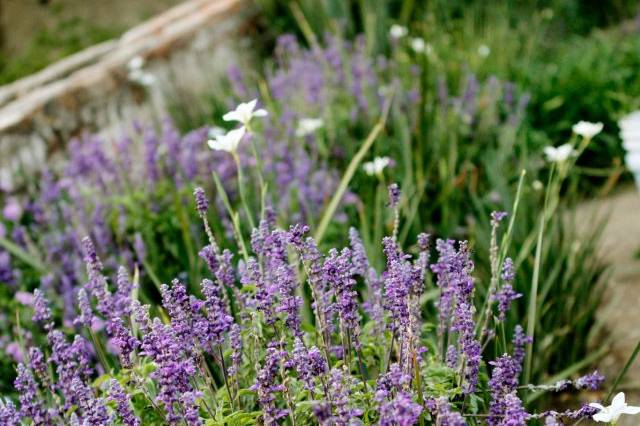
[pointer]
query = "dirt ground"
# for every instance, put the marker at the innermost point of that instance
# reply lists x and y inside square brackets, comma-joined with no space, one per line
[620,310]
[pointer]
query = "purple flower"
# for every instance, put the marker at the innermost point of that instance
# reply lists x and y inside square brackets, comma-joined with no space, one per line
[38,364]
[497,217]
[208,254]
[9,415]
[12,210]
[191,408]
[515,414]
[139,247]
[122,339]
[520,340]
[337,271]
[267,387]
[452,356]
[94,266]
[219,321]
[235,338]
[31,406]
[506,294]
[394,195]
[591,381]
[7,273]
[202,204]
[122,297]
[86,312]
[445,416]
[395,380]
[41,311]
[508,274]
[308,363]
[123,404]
[401,411]
[174,365]
[93,410]
[504,381]
[340,390]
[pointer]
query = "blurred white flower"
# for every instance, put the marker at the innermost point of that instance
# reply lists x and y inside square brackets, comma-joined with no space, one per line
[376,166]
[245,112]
[630,121]
[537,185]
[630,131]
[142,78]
[228,141]
[418,45]
[559,154]
[215,131]
[398,31]
[587,129]
[612,413]
[136,63]
[307,126]
[484,50]
[137,74]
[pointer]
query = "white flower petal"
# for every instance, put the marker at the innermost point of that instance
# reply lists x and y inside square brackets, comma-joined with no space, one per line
[229,141]
[260,113]
[587,129]
[630,409]
[231,116]
[484,50]
[136,63]
[307,126]
[398,31]
[418,45]
[618,400]
[596,405]
[602,417]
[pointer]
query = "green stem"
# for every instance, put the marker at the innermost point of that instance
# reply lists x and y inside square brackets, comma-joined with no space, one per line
[243,197]
[533,297]
[27,258]
[348,174]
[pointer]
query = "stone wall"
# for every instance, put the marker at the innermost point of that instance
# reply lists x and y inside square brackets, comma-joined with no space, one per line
[184,51]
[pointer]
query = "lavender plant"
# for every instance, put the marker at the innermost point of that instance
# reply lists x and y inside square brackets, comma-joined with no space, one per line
[256,357]
[455,146]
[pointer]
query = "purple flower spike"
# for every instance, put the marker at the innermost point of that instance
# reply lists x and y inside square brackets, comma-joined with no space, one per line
[394,195]
[123,404]
[202,204]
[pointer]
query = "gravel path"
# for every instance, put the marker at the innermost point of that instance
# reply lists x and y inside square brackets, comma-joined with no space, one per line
[620,310]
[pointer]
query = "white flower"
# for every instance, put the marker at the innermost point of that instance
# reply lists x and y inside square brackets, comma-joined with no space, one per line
[537,185]
[137,74]
[245,112]
[559,154]
[612,413]
[484,50]
[398,31]
[376,166]
[228,141]
[630,121]
[307,126]
[142,78]
[136,63]
[586,129]
[215,131]
[418,45]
